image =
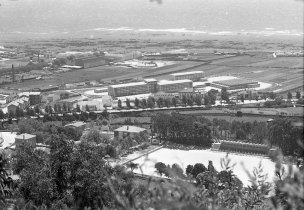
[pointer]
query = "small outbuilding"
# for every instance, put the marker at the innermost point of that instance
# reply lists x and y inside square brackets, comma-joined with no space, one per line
[25,138]
[128,131]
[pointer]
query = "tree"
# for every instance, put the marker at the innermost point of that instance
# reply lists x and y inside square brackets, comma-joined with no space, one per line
[46,109]
[189,169]
[298,94]
[132,166]
[59,108]
[68,108]
[136,102]
[272,95]
[144,103]
[64,107]
[239,114]
[174,101]
[161,168]
[93,136]
[240,134]
[5,180]
[1,114]
[197,169]
[159,102]
[128,103]
[119,104]
[167,102]
[190,101]
[184,100]
[50,109]
[11,114]
[151,102]
[87,108]
[176,171]
[78,108]
[289,95]
[242,98]
[198,100]
[224,95]
[206,99]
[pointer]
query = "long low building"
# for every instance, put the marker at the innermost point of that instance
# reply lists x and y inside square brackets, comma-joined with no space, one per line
[192,75]
[235,84]
[174,86]
[134,88]
[148,86]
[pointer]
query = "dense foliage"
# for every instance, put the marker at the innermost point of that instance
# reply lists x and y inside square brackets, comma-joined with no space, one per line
[181,129]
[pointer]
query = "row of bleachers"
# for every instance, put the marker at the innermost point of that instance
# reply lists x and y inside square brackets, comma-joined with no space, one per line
[244,147]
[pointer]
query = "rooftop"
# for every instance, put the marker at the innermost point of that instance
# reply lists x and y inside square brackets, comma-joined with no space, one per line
[76,124]
[188,90]
[28,93]
[235,82]
[130,129]
[150,80]
[187,73]
[25,136]
[128,84]
[168,82]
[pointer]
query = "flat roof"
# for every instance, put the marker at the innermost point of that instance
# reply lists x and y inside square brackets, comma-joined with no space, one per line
[187,73]
[168,82]
[25,136]
[234,82]
[130,129]
[128,84]
[150,80]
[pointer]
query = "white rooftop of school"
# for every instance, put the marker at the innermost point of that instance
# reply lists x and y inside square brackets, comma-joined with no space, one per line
[168,82]
[150,80]
[187,73]
[130,129]
[128,84]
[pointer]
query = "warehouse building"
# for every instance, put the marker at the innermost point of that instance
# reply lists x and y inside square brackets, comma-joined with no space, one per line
[90,62]
[134,88]
[235,84]
[174,86]
[192,75]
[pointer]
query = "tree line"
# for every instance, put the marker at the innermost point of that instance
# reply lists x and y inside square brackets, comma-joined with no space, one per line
[180,128]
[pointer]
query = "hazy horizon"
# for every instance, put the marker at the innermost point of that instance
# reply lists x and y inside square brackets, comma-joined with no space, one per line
[72,16]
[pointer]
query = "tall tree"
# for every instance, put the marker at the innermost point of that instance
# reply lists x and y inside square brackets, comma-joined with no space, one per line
[298,94]
[174,101]
[242,98]
[136,102]
[128,104]
[289,95]
[151,102]
[119,104]
[224,94]
[144,103]
[159,102]
[1,114]
[184,100]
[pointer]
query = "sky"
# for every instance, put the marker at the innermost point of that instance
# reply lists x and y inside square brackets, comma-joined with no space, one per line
[44,16]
